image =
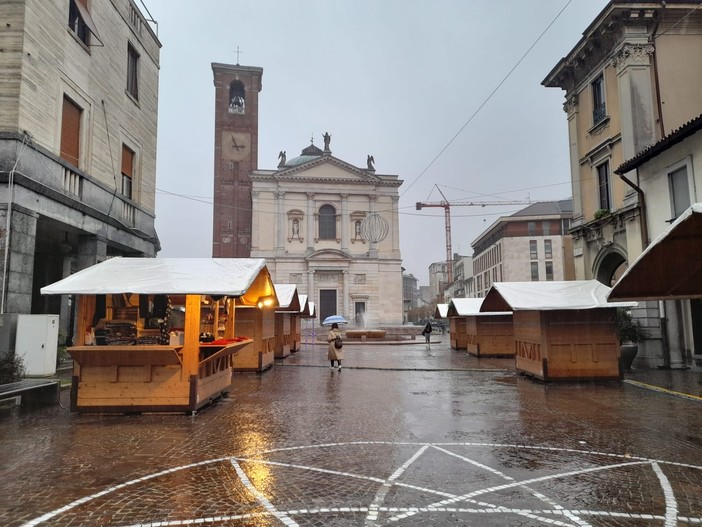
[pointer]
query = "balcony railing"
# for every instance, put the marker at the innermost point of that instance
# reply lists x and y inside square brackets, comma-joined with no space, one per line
[599,114]
[72,182]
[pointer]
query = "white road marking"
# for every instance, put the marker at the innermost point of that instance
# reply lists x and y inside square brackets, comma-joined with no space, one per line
[671,503]
[260,496]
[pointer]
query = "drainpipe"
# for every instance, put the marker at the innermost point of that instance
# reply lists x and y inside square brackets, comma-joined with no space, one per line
[642,207]
[659,105]
[644,243]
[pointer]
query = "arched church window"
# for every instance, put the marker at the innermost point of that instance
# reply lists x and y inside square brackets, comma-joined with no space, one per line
[237,97]
[327,222]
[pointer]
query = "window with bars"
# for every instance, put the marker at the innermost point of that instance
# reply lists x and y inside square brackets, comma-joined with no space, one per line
[533,250]
[70,131]
[548,249]
[132,72]
[327,222]
[599,108]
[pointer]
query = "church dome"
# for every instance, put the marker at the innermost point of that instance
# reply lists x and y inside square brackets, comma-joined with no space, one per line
[308,154]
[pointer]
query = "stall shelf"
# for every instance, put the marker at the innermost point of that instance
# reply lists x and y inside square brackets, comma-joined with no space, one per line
[130,371]
[483,334]
[562,330]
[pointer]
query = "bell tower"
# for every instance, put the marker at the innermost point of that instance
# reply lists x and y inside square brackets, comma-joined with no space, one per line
[236,156]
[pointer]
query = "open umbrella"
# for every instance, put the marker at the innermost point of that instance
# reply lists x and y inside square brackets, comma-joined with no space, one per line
[334,318]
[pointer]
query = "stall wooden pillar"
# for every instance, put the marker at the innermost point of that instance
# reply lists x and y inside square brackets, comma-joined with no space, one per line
[86,311]
[230,324]
[191,343]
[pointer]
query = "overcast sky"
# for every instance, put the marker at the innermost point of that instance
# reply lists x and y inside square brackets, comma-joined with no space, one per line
[397,79]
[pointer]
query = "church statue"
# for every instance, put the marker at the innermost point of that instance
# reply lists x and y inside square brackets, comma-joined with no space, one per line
[281,156]
[370,162]
[327,140]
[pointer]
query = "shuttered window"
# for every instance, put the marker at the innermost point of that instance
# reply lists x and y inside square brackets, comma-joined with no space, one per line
[70,131]
[127,171]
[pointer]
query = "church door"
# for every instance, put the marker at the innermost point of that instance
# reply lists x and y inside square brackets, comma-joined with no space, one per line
[327,303]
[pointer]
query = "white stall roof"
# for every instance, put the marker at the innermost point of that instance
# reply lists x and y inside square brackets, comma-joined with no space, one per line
[549,296]
[304,306]
[441,311]
[204,276]
[467,307]
[313,313]
[288,298]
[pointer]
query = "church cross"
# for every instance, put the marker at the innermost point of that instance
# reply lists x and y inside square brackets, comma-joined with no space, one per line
[237,55]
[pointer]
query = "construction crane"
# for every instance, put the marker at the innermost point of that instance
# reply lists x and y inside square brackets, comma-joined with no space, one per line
[446,205]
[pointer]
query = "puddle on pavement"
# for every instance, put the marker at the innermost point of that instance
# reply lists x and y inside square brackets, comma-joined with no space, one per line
[506,380]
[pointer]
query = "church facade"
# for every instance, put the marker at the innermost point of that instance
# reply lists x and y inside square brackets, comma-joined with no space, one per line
[332,229]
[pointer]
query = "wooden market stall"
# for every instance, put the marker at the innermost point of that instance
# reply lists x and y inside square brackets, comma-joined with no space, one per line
[296,323]
[485,333]
[258,322]
[670,267]
[562,330]
[158,334]
[289,306]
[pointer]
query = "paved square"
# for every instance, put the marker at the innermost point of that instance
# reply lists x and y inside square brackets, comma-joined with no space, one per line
[403,435]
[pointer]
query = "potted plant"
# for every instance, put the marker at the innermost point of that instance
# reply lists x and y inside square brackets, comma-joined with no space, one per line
[629,333]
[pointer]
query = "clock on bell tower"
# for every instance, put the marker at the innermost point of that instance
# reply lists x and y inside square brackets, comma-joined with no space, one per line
[236,156]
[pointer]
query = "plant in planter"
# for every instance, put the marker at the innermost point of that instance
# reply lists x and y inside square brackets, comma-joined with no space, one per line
[629,332]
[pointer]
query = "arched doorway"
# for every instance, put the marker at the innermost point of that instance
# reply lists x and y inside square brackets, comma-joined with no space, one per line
[610,264]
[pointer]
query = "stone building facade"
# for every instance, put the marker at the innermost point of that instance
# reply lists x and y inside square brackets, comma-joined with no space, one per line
[78,123]
[332,229]
[532,244]
[631,80]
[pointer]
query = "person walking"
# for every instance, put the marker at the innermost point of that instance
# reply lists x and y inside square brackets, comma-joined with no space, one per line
[427,333]
[335,351]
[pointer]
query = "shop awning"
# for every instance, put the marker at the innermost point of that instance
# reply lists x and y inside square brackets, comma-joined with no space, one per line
[288,299]
[247,279]
[670,267]
[468,307]
[548,296]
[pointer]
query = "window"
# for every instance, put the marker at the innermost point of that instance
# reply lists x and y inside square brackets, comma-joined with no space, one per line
[132,72]
[599,110]
[549,270]
[531,228]
[237,98]
[548,249]
[546,228]
[127,171]
[679,191]
[76,20]
[81,23]
[534,271]
[327,222]
[533,250]
[603,185]
[70,131]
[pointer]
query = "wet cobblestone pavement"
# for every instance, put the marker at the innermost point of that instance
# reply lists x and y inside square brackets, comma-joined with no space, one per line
[403,435]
